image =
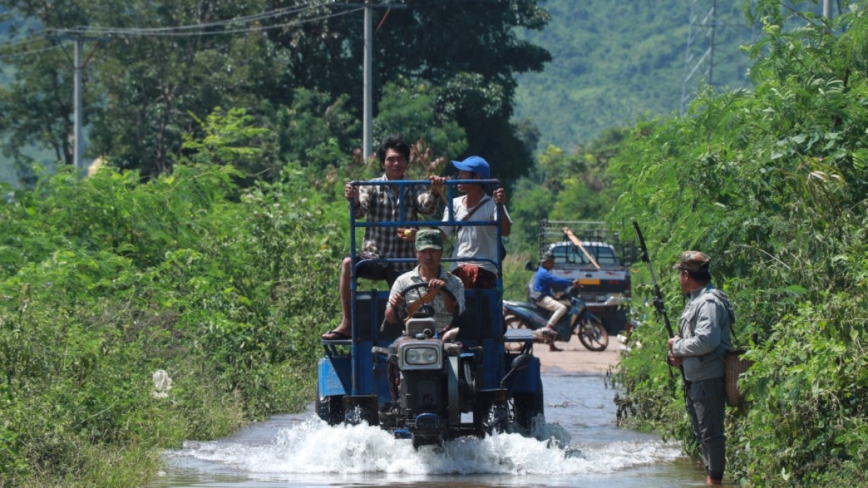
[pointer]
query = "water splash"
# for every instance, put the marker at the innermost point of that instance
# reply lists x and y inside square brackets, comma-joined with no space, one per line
[313,447]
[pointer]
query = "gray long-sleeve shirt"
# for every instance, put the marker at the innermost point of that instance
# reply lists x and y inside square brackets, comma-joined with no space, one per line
[705,333]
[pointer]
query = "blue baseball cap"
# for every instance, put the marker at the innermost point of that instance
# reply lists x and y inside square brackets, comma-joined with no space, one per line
[474,164]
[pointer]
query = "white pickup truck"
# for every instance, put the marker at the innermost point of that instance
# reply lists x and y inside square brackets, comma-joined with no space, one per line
[583,251]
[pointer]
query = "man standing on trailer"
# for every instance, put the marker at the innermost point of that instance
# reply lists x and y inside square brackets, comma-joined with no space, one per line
[476,241]
[380,204]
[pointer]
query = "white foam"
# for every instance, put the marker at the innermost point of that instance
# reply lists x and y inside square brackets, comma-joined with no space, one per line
[313,447]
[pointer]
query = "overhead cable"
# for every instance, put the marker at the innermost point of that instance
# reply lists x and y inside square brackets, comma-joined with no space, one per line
[183,30]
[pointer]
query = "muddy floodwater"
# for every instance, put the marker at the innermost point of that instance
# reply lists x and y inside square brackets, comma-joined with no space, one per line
[582,448]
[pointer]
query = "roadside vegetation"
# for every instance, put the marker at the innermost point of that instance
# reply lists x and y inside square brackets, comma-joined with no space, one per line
[106,280]
[771,183]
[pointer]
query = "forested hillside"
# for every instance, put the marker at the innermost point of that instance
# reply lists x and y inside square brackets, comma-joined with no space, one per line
[296,65]
[615,62]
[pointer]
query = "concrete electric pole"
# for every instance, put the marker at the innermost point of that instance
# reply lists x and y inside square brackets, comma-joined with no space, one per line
[367,70]
[78,66]
[76,96]
[367,109]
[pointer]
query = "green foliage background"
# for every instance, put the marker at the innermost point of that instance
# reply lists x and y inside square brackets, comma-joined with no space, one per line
[772,184]
[294,65]
[105,280]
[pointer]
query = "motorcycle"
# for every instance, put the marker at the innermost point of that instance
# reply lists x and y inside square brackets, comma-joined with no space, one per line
[587,326]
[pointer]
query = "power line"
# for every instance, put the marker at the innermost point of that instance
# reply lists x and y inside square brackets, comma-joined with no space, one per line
[237,20]
[32,37]
[224,32]
[28,53]
[179,31]
[38,35]
[169,31]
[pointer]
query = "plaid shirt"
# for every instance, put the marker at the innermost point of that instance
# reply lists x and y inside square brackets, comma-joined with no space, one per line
[380,204]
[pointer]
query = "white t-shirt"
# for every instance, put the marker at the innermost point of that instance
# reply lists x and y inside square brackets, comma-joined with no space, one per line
[475,241]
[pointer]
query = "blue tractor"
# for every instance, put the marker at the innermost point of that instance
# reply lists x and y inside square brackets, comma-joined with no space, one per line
[472,386]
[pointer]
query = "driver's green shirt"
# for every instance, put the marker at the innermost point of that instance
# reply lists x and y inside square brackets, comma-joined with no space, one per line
[453,283]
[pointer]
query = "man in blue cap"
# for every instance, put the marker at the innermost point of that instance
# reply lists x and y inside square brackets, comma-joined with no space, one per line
[476,241]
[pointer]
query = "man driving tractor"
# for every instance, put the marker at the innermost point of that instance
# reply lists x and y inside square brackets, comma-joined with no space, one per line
[429,252]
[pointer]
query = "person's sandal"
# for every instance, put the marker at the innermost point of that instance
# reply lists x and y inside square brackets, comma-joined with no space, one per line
[334,335]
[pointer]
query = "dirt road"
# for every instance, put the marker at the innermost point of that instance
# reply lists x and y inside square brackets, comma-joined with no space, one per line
[576,360]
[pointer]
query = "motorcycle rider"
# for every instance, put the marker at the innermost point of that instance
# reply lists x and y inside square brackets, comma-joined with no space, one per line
[544,285]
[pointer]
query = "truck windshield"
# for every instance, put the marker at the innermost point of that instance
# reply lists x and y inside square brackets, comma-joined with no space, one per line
[569,254]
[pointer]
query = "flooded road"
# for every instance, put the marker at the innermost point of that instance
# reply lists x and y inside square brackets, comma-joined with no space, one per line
[583,448]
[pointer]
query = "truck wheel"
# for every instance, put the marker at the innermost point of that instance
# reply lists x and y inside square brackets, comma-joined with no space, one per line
[593,335]
[330,409]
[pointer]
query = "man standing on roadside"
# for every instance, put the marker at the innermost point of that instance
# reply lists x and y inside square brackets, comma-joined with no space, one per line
[703,339]
[380,203]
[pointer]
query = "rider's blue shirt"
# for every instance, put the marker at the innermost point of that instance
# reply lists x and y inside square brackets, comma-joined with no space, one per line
[544,282]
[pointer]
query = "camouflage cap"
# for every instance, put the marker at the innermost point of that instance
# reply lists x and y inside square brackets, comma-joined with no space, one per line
[693,261]
[546,256]
[429,239]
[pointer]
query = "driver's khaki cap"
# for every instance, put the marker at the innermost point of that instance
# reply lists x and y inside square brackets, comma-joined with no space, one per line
[429,239]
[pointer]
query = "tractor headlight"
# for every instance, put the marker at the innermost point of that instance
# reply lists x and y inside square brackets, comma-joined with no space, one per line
[426,356]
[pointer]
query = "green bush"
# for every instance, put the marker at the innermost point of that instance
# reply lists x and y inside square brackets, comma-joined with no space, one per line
[225,289]
[772,185]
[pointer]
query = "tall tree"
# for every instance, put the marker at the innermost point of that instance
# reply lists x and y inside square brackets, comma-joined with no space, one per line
[168,64]
[468,49]
[36,106]
[154,80]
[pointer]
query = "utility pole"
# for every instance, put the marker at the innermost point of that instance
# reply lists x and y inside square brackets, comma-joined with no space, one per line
[367,69]
[78,66]
[827,9]
[76,96]
[367,109]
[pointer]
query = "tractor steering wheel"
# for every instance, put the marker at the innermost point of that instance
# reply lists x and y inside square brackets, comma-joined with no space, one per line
[427,298]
